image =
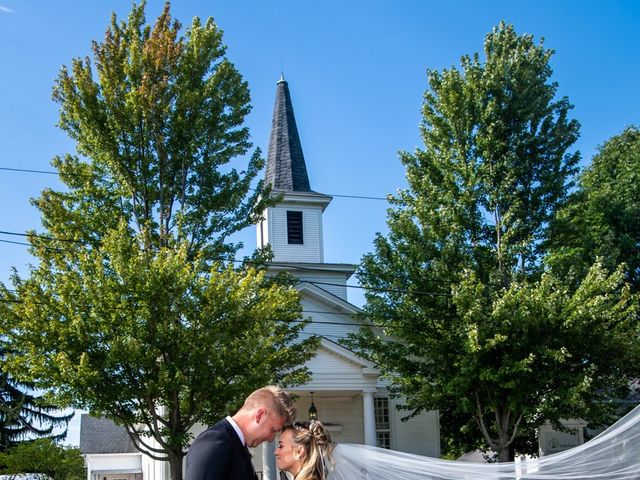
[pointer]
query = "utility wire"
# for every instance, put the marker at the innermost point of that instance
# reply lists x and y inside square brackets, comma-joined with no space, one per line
[337,195]
[305,312]
[316,283]
[393,321]
[25,170]
[288,265]
[15,243]
[296,267]
[43,237]
[29,245]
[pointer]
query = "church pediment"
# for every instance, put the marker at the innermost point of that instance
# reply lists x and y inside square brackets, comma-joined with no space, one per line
[327,298]
[336,368]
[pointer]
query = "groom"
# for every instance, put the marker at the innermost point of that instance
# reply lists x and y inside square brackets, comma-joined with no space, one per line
[221,453]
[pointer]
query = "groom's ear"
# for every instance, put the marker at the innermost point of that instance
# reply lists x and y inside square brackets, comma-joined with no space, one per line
[260,414]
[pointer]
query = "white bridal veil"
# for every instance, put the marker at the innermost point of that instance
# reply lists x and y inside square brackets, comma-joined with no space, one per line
[612,455]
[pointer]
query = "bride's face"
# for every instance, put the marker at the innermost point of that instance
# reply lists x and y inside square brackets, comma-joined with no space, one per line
[288,454]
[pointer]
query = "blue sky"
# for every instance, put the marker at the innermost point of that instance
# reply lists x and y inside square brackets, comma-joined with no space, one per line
[356,70]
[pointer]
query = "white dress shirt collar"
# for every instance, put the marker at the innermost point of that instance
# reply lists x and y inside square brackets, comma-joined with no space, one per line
[237,429]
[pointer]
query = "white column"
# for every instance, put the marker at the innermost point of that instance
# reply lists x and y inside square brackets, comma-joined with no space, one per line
[269,471]
[369,418]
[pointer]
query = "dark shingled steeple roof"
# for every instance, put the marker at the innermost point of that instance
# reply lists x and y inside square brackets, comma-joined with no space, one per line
[286,170]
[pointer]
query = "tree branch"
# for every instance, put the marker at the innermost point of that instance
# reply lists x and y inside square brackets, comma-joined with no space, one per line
[481,425]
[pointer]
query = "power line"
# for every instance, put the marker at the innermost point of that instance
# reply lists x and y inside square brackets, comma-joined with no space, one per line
[47,172]
[43,237]
[305,312]
[288,265]
[302,320]
[15,243]
[25,170]
[267,264]
[29,245]
[383,290]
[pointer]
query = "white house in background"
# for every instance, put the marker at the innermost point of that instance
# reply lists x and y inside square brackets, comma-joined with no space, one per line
[108,452]
[346,389]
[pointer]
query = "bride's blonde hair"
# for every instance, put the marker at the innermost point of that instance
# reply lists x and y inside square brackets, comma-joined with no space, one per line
[314,438]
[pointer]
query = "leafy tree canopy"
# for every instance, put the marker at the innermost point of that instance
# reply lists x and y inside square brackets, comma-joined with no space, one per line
[44,457]
[467,321]
[601,219]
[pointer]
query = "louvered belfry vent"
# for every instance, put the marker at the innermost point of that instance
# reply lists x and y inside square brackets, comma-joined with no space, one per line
[295,233]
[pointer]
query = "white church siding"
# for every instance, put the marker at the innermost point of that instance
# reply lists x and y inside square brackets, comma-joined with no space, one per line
[334,326]
[342,413]
[334,284]
[311,250]
[331,372]
[419,435]
[197,429]
[262,230]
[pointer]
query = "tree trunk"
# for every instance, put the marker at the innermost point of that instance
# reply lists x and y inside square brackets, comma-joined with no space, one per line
[504,455]
[504,436]
[175,465]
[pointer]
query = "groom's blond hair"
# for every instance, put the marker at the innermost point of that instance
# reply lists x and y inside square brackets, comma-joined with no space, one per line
[273,398]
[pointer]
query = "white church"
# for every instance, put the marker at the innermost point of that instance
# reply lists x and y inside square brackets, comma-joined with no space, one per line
[346,391]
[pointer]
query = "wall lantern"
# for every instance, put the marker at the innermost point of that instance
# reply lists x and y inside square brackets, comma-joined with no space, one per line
[313,411]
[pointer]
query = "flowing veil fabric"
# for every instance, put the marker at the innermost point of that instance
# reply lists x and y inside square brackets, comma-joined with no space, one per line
[612,455]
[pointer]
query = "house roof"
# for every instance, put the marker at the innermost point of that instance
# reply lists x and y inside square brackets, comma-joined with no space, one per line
[101,435]
[286,169]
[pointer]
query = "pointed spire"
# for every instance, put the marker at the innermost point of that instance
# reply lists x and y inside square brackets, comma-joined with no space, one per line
[286,169]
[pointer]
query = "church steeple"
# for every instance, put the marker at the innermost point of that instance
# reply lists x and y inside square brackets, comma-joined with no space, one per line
[286,169]
[292,227]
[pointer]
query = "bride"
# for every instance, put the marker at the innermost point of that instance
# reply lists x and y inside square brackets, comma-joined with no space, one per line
[306,451]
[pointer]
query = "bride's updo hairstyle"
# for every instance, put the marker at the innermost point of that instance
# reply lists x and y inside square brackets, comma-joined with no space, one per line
[314,438]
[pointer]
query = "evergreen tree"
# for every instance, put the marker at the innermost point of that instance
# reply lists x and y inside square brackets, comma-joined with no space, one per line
[27,415]
[467,321]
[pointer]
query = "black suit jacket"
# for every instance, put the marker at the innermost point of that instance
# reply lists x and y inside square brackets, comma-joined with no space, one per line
[218,454]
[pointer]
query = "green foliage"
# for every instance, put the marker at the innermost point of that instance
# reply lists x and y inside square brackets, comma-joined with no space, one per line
[467,323]
[126,330]
[135,310]
[26,414]
[160,125]
[44,457]
[601,220]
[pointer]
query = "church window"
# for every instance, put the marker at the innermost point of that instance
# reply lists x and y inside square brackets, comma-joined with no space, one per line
[383,427]
[295,234]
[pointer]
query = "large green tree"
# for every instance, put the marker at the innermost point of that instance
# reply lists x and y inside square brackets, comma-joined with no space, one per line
[601,219]
[466,320]
[135,309]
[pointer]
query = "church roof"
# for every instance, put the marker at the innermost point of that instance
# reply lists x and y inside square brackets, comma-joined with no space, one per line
[286,169]
[100,436]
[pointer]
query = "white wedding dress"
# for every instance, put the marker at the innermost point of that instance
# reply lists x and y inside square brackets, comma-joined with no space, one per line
[612,455]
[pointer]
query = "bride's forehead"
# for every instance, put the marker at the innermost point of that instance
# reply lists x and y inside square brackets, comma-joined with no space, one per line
[286,435]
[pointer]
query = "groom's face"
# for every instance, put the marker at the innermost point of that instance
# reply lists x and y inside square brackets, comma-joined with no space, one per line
[267,424]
